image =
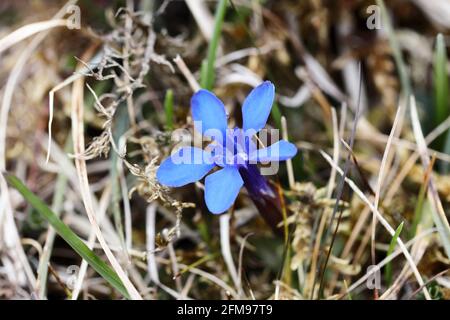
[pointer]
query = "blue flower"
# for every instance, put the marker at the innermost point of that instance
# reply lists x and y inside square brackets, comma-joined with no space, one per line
[232,150]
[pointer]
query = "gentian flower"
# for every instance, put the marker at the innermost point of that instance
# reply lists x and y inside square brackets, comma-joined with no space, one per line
[232,151]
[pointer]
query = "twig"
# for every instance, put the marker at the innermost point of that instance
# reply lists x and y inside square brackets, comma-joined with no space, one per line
[187,73]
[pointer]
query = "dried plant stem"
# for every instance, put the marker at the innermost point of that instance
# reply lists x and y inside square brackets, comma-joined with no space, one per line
[336,153]
[58,198]
[325,214]
[340,190]
[195,86]
[6,214]
[202,16]
[388,259]
[290,169]
[80,164]
[126,62]
[383,221]
[106,196]
[385,163]
[441,219]
[29,30]
[152,267]
[126,204]
[225,248]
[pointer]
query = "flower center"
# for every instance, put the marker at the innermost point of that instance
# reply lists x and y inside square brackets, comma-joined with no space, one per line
[235,150]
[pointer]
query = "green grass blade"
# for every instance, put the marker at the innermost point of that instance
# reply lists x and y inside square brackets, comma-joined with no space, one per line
[276,115]
[442,228]
[441,106]
[388,271]
[168,107]
[346,289]
[197,263]
[203,73]
[418,210]
[207,80]
[445,166]
[440,81]
[68,235]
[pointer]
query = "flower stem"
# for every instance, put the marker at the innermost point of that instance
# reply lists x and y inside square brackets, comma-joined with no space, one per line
[264,195]
[207,80]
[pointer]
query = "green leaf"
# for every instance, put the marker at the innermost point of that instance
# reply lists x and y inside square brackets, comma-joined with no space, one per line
[68,235]
[441,106]
[276,115]
[392,245]
[418,210]
[207,80]
[442,228]
[440,81]
[168,107]
[203,73]
[445,166]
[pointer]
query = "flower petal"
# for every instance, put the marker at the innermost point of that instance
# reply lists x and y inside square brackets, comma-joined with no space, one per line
[185,166]
[279,151]
[222,188]
[208,113]
[257,106]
